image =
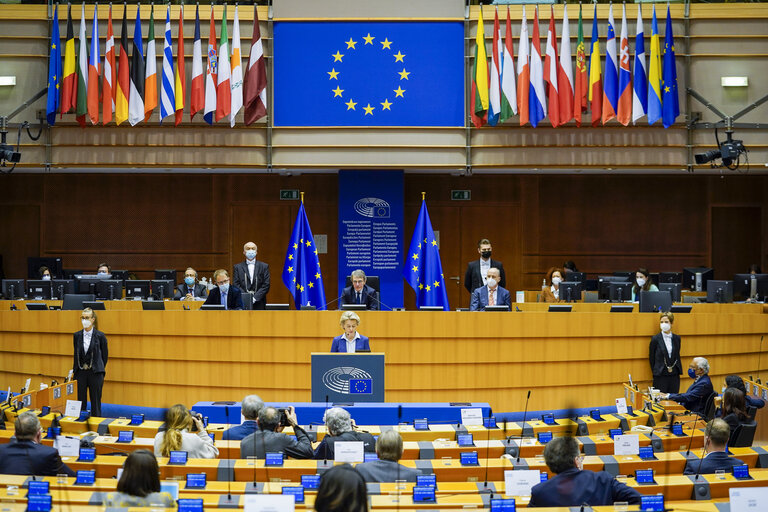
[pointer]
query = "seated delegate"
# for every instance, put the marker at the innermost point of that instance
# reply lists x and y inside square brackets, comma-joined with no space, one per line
[270,438]
[178,437]
[224,294]
[642,283]
[351,341]
[492,294]
[249,408]
[139,485]
[734,411]
[190,289]
[360,292]
[734,381]
[341,428]
[389,448]
[550,289]
[695,398]
[716,436]
[26,455]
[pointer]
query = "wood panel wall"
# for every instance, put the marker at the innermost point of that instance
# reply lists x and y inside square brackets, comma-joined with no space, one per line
[141,222]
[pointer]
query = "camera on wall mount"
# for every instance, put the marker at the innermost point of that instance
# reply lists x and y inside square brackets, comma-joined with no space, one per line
[729,152]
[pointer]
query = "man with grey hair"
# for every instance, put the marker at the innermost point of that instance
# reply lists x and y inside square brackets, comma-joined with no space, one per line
[341,428]
[26,456]
[250,407]
[360,293]
[572,485]
[389,448]
[696,397]
[270,437]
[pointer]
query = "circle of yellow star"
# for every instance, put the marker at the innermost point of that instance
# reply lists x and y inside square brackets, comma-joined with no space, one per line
[351,44]
[399,56]
[369,39]
[350,105]
[399,92]
[337,91]
[386,43]
[337,56]
[334,74]
[385,106]
[403,74]
[368,109]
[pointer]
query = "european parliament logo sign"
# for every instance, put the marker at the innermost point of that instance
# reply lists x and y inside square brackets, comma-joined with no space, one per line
[372,207]
[368,74]
[342,377]
[347,380]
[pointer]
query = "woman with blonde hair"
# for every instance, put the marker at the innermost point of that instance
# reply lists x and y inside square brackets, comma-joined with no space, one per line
[177,436]
[89,366]
[350,340]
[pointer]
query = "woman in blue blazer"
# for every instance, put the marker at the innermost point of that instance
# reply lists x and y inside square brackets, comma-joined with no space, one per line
[343,343]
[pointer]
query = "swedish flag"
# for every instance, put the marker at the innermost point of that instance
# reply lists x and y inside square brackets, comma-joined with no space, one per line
[422,268]
[301,272]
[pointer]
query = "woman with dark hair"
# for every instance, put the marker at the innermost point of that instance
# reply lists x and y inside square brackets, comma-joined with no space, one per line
[44,273]
[755,269]
[550,289]
[734,410]
[139,485]
[642,283]
[342,489]
[177,436]
[734,381]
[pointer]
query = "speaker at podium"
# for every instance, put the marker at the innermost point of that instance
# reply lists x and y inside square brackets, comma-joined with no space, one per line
[343,377]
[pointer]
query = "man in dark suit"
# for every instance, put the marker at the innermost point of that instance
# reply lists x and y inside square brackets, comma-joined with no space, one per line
[252,276]
[26,456]
[340,428]
[715,438]
[491,294]
[249,407]
[270,438]
[664,356]
[360,293]
[389,448]
[225,294]
[474,277]
[695,398]
[574,486]
[190,289]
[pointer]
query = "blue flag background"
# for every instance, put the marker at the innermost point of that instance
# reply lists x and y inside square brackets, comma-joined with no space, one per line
[301,272]
[670,102]
[422,268]
[54,71]
[369,74]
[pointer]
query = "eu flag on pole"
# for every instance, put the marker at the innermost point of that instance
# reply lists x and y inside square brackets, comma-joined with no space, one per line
[54,71]
[422,268]
[369,73]
[301,272]
[670,102]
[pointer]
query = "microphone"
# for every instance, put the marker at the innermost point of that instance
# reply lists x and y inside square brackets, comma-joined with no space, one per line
[487,447]
[522,432]
[337,299]
[267,481]
[376,298]
[701,460]
[399,418]
[692,432]
[231,467]
[325,441]
[760,353]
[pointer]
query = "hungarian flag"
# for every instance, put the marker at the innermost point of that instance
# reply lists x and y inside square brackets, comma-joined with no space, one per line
[640,78]
[625,81]
[136,99]
[197,96]
[255,81]
[210,75]
[537,103]
[69,82]
[108,87]
[236,82]
[223,90]
[479,94]
[150,70]
[565,72]
[595,78]
[180,87]
[494,93]
[93,70]
[523,72]
[123,89]
[580,84]
[551,61]
[167,96]
[611,83]
[508,88]
[81,107]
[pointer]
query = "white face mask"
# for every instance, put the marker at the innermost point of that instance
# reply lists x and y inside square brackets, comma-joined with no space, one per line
[640,281]
[491,282]
[556,281]
[86,323]
[666,326]
[46,277]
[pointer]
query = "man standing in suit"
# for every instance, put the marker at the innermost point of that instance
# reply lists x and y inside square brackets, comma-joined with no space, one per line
[190,289]
[664,356]
[26,456]
[229,296]
[389,448]
[572,485]
[475,276]
[360,293]
[252,276]
[270,437]
[492,294]
[695,398]
[715,438]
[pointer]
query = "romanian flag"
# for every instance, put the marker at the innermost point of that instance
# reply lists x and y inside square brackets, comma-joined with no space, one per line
[197,96]
[670,108]
[150,80]
[537,103]
[479,94]
[136,99]
[93,70]
[180,87]
[81,107]
[109,86]
[565,72]
[551,62]
[580,87]
[223,89]
[595,79]
[625,78]
[123,89]
[523,72]
[69,82]
[611,87]
[654,74]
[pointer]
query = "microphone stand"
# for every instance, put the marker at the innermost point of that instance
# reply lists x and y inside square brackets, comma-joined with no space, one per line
[231,474]
[522,432]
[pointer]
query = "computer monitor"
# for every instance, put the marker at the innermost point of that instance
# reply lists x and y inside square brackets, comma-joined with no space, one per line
[674,289]
[746,286]
[604,281]
[570,291]
[109,289]
[75,301]
[655,302]
[38,289]
[670,277]
[352,307]
[624,273]
[277,307]
[53,264]
[136,289]
[166,274]
[619,292]
[13,288]
[86,283]
[575,277]
[690,280]
[61,287]
[152,305]
[719,291]
[71,273]
[497,307]
[96,305]
[121,275]
[163,288]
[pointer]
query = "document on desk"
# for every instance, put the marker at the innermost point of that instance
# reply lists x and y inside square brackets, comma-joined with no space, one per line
[621,406]
[520,481]
[269,503]
[348,451]
[748,499]
[473,416]
[626,444]
[67,446]
[72,409]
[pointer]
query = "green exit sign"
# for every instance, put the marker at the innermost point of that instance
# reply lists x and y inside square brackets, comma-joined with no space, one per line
[288,195]
[461,195]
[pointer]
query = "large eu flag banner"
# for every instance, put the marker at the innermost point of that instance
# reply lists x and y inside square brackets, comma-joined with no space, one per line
[301,272]
[368,74]
[422,268]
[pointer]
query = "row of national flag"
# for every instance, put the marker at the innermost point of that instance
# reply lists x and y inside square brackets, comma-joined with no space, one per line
[534,90]
[126,88]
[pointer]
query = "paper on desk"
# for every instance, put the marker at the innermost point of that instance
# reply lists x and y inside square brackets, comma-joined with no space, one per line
[68,446]
[519,481]
[621,406]
[348,451]
[748,499]
[73,408]
[626,444]
[270,502]
[473,416]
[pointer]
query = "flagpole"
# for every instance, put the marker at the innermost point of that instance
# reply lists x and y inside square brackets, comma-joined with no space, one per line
[302,197]
[423,196]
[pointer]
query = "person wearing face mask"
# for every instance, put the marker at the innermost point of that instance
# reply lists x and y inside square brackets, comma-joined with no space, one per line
[477,270]
[229,296]
[190,289]
[550,290]
[642,283]
[90,361]
[44,273]
[572,485]
[695,398]
[103,271]
[492,294]
[664,356]
[252,276]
